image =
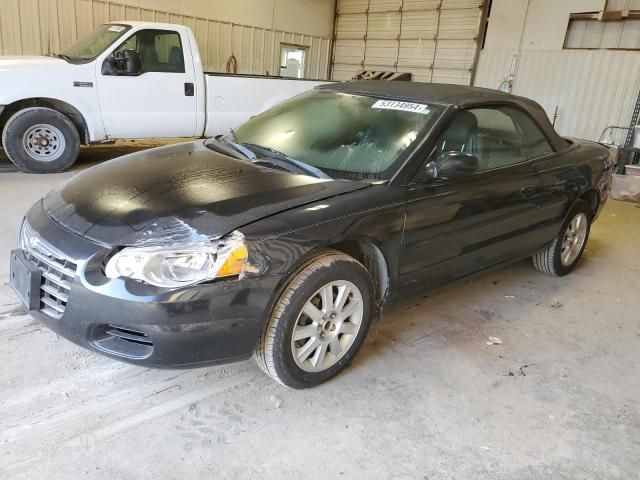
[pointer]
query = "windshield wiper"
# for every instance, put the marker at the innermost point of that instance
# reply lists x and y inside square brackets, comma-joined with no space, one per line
[282,157]
[234,149]
[62,56]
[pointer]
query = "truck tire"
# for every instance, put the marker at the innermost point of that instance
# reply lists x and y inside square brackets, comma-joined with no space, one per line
[562,255]
[41,140]
[319,322]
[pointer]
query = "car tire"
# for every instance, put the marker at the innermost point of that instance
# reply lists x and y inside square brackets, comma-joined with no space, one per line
[326,334]
[562,255]
[41,140]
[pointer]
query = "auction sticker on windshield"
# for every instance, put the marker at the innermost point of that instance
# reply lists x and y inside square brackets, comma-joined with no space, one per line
[404,106]
[116,28]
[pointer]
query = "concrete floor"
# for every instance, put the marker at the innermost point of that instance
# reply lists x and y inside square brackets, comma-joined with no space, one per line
[426,398]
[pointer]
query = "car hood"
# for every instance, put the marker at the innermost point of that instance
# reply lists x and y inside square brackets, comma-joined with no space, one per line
[22,62]
[177,194]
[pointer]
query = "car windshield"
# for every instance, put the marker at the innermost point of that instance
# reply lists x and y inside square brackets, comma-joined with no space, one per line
[94,43]
[346,136]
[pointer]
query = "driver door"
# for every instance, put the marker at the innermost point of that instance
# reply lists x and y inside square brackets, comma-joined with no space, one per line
[460,225]
[161,101]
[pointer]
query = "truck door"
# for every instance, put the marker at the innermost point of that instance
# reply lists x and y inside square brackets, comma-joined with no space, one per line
[161,100]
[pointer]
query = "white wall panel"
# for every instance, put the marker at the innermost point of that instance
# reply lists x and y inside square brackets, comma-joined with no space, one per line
[349,51]
[459,24]
[351,26]
[416,53]
[592,89]
[385,5]
[419,24]
[43,26]
[459,77]
[382,52]
[383,25]
[421,5]
[353,6]
[461,4]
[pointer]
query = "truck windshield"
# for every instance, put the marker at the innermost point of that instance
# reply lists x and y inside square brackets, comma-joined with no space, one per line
[352,137]
[94,43]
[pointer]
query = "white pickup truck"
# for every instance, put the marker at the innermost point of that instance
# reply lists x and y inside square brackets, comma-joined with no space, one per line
[125,80]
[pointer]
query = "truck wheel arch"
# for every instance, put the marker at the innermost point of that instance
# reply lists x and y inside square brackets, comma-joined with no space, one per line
[72,113]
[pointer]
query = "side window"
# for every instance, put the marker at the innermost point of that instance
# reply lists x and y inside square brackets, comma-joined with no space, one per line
[497,136]
[535,142]
[159,50]
[498,142]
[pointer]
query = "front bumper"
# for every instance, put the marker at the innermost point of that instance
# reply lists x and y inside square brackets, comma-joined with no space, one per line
[193,326]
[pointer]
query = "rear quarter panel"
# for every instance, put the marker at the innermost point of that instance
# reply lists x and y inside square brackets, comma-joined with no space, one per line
[565,178]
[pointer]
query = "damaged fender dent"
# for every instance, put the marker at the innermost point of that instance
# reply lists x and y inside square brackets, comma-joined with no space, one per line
[168,232]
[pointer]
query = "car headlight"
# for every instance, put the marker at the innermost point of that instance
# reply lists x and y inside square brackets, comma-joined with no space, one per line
[176,266]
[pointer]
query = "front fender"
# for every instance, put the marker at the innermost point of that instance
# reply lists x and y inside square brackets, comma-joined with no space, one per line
[74,86]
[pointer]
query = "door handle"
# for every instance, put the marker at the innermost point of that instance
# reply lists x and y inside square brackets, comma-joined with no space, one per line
[189,89]
[527,192]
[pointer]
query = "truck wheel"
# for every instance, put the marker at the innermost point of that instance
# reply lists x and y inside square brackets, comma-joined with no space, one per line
[318,323]
[41,140]
[562,255]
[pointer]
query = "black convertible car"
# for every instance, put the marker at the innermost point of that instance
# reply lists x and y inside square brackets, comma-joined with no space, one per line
[285,238]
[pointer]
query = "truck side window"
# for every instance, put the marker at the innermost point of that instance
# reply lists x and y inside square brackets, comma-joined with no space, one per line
[159,50]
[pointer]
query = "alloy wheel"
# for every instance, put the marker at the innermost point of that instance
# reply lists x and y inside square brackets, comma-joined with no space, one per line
[327,326]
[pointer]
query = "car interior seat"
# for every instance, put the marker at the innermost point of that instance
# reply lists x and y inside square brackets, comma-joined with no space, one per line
[462,135]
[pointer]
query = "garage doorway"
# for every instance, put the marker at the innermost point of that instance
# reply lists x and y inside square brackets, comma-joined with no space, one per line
[434,40]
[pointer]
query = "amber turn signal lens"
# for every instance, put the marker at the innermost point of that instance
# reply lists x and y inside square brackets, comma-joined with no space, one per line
[235,262]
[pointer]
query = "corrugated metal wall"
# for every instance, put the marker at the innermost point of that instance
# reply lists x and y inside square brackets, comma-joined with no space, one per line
[33,27]
[592,89]
[435,40]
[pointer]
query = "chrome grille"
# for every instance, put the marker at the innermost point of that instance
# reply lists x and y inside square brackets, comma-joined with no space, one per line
[58,271]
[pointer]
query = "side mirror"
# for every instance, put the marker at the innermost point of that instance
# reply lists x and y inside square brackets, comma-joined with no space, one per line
[453,165]
[126,63]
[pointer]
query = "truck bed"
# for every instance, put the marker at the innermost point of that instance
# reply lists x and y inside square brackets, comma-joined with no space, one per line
[234,98]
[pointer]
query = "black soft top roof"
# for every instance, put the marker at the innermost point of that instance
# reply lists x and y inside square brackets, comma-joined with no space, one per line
[448,95]
[441,93]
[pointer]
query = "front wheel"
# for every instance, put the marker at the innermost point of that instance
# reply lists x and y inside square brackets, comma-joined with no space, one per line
[41,140]
[562,255]
[318,323]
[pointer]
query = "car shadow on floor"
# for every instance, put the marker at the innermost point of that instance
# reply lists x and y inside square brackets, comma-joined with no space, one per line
[462,314]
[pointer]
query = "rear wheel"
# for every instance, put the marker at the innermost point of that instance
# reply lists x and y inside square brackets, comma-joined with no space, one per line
[562,255]
[318,323]
[41,140]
